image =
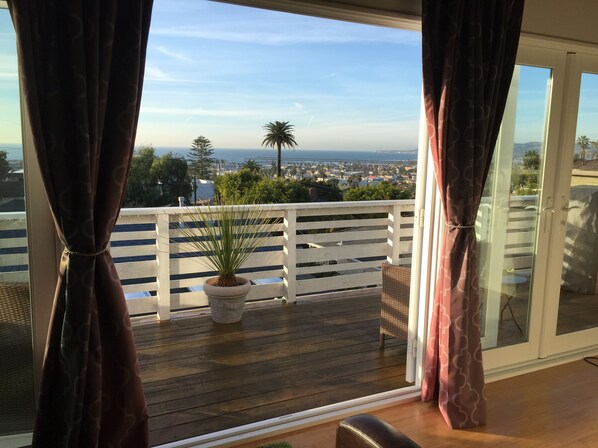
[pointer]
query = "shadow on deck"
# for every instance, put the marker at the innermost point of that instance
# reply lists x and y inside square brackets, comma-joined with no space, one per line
[200,377]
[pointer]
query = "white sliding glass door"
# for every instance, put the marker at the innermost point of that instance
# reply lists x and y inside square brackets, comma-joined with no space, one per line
[515,216]
[537,226]
[572,311]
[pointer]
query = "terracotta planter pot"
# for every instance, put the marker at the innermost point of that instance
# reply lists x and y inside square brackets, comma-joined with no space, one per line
[226,303]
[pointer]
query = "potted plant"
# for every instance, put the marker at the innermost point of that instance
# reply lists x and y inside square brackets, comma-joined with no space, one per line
[226,236]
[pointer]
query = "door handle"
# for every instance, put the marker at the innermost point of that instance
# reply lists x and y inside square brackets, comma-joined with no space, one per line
[573,207]
[547,221]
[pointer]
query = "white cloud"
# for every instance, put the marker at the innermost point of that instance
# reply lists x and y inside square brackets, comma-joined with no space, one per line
[201,112]
[154,74]
[173,54]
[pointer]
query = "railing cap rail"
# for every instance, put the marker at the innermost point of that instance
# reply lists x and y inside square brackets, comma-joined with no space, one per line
[12,215]
[275,207]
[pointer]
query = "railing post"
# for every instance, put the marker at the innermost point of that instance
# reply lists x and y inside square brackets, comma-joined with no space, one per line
[394,234]
[289,268]
[163,265]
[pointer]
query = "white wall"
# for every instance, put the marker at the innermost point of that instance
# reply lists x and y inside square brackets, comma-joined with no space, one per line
[567,19]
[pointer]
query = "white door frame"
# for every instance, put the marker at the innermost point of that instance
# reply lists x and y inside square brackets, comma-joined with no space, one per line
[530,350]
[551,343]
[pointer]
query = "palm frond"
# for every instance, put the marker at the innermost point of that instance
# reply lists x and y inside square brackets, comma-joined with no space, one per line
[279,132]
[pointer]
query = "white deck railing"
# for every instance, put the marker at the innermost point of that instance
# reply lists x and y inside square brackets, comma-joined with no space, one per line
[14,260]
[315,249]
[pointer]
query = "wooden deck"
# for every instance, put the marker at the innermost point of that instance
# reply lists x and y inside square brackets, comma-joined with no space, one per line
[201,377]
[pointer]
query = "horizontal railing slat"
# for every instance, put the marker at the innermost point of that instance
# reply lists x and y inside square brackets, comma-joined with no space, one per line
[133,251]
[311,225]
[339,267]
[137,269]
[9,243]
[341,252]
[140,287]
[131,235]
[339,282]
[145,305]
[358,235]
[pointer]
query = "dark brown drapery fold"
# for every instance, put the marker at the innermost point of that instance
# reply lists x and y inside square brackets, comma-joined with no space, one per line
[81,66]
[469,49]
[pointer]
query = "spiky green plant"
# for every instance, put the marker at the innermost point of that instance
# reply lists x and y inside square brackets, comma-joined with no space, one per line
[227,235]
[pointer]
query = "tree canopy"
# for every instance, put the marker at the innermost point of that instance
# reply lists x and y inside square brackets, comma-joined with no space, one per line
[327,190]
[251,165]
[278,191]
[584,143]
[279,134]
[248,187]
[232,188]
[200,158]
[383,191]
[172,179]
[156,181]
[531,160]
[4,166]
[141,189]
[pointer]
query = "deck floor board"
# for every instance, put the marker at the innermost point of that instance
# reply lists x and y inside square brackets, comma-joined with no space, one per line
[201,377]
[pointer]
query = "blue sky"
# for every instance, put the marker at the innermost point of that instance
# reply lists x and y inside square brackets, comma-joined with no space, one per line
[10,118]
[223,71]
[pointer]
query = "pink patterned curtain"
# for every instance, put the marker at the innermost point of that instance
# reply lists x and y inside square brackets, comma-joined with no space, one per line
[81,66]
[469,49]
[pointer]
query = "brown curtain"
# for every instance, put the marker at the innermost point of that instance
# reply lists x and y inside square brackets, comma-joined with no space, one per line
[81,65]
[469,49]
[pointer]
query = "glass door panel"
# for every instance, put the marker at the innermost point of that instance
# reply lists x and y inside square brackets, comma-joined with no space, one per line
[17,405]
[508,217]
[578,300]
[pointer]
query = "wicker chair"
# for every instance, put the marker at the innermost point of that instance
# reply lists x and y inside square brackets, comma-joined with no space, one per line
[394,309]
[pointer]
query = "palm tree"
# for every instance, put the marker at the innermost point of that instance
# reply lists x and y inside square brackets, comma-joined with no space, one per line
[279,134]
[584,143]
[595,145]
[251,165]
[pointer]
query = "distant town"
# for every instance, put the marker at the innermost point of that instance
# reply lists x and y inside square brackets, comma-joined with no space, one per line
[172,176]
[347,174]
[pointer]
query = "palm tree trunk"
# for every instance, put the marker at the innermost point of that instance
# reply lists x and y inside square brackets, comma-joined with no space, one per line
[279,160]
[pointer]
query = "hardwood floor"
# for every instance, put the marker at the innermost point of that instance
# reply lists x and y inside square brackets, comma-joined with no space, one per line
[200,377]
[551,408]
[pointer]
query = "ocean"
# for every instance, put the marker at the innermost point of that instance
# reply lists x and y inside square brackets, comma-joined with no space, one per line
[298,155]
[301,155]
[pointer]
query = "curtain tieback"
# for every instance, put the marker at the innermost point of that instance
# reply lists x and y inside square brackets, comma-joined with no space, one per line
[459,226]
[84,254]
